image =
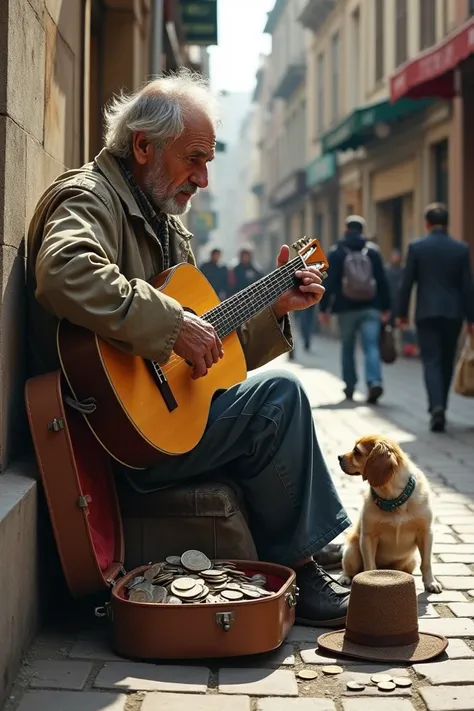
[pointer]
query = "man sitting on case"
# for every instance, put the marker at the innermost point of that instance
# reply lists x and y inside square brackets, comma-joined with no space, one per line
[98,236]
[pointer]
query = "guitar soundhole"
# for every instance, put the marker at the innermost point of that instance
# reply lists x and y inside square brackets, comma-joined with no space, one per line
[162,383]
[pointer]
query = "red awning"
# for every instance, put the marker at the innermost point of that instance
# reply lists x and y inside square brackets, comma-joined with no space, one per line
[431,74]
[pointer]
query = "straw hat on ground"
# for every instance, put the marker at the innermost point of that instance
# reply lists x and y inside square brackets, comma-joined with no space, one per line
[382,622]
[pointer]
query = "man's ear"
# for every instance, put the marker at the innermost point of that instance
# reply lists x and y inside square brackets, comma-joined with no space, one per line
[380,466]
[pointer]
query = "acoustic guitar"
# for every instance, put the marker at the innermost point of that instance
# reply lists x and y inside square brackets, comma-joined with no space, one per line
[141,410]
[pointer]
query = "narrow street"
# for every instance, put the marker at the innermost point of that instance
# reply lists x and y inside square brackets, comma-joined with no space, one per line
[79,673]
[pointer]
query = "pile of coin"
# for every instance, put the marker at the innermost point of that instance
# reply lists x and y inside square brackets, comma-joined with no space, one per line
[383,682]
[193,578]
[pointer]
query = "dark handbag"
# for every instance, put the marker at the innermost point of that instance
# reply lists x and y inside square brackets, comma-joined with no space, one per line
[388,350]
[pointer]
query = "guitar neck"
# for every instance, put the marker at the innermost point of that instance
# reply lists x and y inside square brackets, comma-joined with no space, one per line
[229,315]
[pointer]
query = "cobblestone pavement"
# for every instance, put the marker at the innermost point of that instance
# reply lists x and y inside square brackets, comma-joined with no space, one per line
[78,672]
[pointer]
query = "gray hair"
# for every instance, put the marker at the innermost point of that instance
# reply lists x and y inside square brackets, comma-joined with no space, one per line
[158,109]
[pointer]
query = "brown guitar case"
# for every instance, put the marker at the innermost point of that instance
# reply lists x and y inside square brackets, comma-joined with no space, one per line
[80,491]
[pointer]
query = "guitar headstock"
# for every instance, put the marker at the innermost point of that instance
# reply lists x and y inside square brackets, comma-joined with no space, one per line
[312,252]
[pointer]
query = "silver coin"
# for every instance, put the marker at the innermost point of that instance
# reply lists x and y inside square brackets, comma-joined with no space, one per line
[189,594]
[355,686]
[386,686]
[195,561]
[140,596]
[212,573]
[183,584]
[174,560]
[153,572]
[252,594]
[307,674]
[173,600]
[136,581]
[402,681]
[232,594]
[159,594]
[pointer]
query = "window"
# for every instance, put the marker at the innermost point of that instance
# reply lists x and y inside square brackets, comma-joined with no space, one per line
[379,40]
[427,23]
[320,94]
[318,226]
[471,8]
[441,171]
[401,32]
[335,76]
[354,59]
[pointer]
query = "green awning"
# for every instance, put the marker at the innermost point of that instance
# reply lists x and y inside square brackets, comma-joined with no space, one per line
[358,128]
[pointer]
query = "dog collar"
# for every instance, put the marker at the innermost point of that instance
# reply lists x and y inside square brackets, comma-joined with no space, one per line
[392,504]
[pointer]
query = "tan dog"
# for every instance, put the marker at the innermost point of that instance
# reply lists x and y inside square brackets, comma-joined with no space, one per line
[396,517]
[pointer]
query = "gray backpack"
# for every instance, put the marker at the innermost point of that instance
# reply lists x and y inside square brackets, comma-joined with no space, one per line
[358,283]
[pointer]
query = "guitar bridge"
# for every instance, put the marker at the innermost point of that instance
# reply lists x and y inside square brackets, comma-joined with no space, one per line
[162,383]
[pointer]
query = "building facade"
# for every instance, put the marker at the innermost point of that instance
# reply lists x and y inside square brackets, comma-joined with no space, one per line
[364,148]
[60,62]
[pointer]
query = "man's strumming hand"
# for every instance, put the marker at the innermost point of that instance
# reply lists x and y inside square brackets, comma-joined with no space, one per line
[199,344]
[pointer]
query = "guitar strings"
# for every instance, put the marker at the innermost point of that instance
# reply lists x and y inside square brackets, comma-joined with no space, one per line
[228,309]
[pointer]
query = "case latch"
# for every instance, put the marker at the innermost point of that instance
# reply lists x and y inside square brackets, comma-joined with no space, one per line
[225,620]
[291,597]
[56,425]
[104,611]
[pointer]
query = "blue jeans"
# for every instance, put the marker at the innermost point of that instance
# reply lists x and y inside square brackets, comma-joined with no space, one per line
[261,434]
[366,322]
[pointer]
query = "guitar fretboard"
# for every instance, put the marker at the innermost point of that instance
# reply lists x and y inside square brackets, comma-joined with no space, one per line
[237,309]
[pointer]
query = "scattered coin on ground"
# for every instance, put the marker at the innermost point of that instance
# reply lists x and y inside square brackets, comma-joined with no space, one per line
[307,674]
[378,678]
[386,686]
[332,669]
[402,681]
[355,686]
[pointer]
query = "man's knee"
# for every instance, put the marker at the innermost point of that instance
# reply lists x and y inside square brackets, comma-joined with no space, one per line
[281,386]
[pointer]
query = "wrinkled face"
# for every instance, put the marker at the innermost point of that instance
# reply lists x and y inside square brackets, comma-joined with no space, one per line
[176,173]
[375,458]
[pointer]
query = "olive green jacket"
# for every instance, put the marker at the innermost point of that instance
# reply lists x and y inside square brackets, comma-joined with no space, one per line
[90,258]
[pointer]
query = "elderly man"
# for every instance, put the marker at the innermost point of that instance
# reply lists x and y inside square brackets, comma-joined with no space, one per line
[98,236]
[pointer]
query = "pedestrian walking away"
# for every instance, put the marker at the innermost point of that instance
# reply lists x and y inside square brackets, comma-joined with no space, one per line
[439,265]
[357,291]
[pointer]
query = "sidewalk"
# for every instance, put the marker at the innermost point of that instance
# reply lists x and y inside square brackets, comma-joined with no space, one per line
[77,672]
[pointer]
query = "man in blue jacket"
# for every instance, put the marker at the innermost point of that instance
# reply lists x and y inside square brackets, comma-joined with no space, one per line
[357,291]
[440,267]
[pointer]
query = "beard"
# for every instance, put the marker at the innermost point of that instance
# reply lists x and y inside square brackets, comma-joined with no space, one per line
[157,190]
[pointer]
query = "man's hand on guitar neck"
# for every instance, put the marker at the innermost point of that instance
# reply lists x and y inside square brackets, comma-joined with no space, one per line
[306,294]
[199,344]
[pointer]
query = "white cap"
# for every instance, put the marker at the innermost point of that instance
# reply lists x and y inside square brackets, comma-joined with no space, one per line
[355,218]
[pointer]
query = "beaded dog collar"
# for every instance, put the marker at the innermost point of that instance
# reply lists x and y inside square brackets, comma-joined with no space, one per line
[392,504]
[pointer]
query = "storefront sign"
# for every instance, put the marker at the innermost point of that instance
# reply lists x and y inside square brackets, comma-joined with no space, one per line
[200,21]
[204,220]
[432,73]
[290,188]
[321,169]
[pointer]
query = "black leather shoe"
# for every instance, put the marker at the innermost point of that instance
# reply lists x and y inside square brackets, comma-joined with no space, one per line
[438,420]
[322,602]
[375,391]
[329,557]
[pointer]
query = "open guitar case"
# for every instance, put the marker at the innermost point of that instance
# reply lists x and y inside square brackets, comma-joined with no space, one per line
[79,486]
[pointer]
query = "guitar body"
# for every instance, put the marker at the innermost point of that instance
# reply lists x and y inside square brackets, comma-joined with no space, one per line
[132,420]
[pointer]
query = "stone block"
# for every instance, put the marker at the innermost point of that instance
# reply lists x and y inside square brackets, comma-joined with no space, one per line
[448,698]
[24,99]
[93,648]
[283,656]
[19,555]
[62,108]
[185,702]
[307,634]
[457,649]
[467,537]
[440,598]
[133,676]
[384,704]
[13,422]
[58,674]
[257,682]
[363,674]
[295,705]
[462,609]
[67,16]
[12,182]
[457,583]
[448,626]
[41,169]
[458,671]
[313,655]
[71,701]
[459,548]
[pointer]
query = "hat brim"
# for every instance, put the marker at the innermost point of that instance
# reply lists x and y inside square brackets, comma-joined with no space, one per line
[428,647]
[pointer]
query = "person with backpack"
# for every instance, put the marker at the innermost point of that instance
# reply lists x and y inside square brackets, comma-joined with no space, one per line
[357,290]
